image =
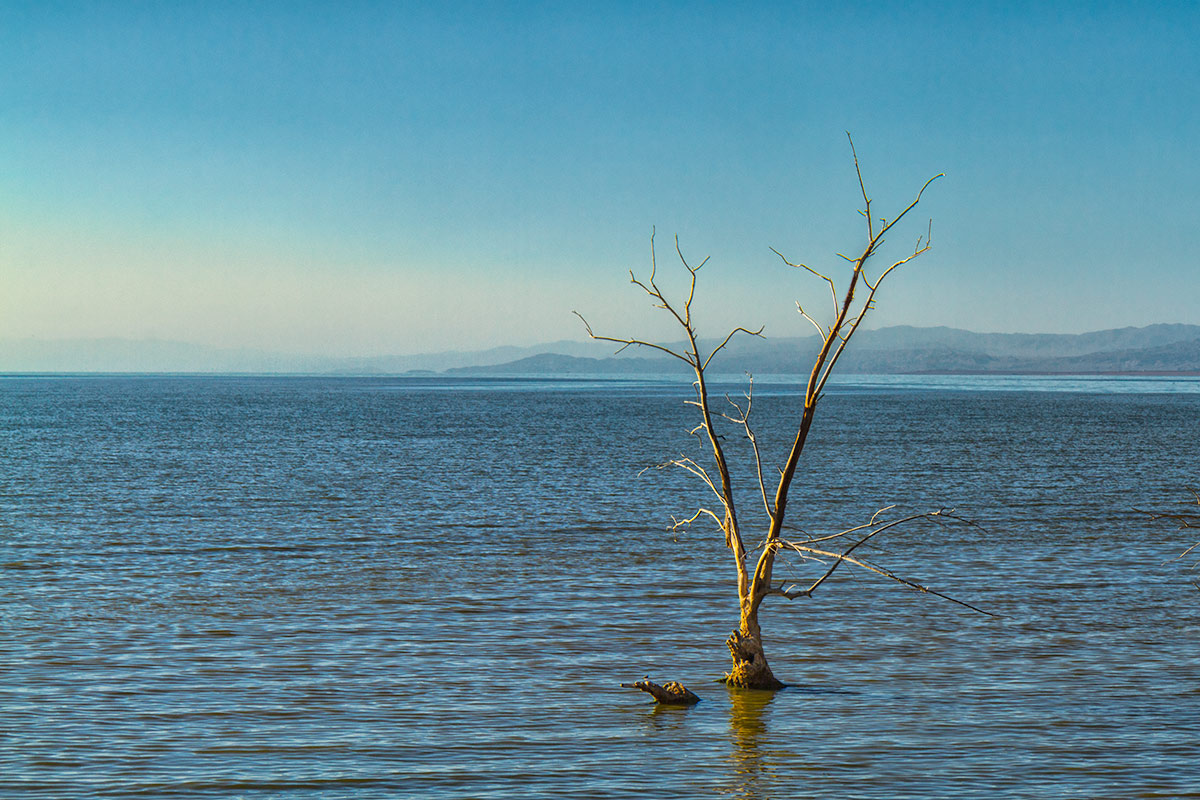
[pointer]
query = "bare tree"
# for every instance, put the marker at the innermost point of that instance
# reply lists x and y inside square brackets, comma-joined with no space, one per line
[755,581]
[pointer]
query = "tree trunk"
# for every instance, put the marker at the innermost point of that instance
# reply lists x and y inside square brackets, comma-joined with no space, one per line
[750,668]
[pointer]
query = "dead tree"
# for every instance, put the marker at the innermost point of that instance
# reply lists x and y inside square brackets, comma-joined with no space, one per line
[755,581]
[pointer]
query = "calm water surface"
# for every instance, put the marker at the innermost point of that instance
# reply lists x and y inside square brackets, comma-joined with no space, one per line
[370,588]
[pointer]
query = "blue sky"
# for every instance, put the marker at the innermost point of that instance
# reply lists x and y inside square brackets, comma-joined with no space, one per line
[370,178]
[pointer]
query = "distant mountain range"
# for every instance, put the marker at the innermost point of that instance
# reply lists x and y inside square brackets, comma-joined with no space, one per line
[1159,349]
[157,356]
[1155,349]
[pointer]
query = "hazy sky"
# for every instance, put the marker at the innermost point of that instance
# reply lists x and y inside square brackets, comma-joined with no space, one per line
[369,178]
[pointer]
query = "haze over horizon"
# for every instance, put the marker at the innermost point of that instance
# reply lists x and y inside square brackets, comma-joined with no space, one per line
[379,179]
[577,344]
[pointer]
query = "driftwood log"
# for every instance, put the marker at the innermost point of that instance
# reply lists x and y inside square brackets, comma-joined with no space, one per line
[672,693]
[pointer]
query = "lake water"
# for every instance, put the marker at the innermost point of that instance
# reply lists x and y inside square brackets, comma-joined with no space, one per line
[379,588]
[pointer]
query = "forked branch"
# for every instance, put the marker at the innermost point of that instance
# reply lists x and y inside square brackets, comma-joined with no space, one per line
[699,363]
[743,419]
[732,333]
[848,316]
[630,342]
[874,527]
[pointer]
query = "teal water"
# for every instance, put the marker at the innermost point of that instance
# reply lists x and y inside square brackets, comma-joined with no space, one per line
[370,588]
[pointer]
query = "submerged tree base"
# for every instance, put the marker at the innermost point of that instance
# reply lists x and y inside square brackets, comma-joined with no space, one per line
[750,668]
[742,679]
[672,693]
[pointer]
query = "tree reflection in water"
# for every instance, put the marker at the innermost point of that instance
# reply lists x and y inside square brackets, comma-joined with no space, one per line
[748,767]
[753,773]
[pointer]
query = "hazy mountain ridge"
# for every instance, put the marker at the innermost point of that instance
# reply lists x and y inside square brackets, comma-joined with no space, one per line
[1163,348]
[906,349]
[113,355]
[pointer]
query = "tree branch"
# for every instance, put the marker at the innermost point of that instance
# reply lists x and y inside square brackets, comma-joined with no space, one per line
[827,279]
[743,419]
[631,342]
[698,363]
[721,346]
[847,558]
